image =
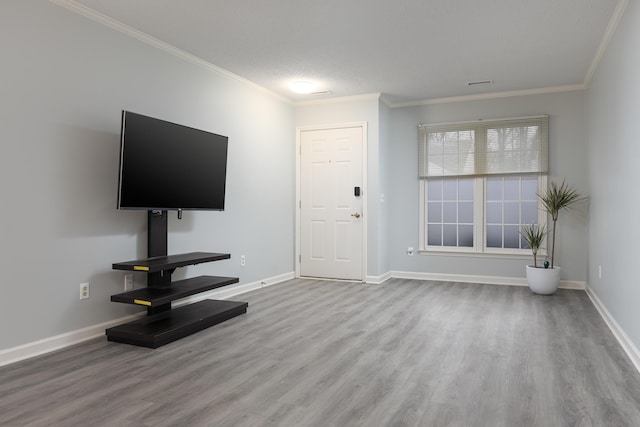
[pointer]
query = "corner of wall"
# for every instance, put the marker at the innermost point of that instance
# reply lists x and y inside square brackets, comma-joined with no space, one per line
[627,345]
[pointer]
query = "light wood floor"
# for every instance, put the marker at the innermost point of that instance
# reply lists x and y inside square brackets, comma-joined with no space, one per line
[314,353]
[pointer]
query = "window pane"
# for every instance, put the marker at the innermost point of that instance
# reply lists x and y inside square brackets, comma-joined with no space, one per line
[509,202]
[512,189]
[465,189]
[511,237]
[512,213]
[505,215]
[494,213]
[494,189]
[465,212]
[434,189]
[434,233]
[465,236]
[434,212]
[529,213]
[450,189]
[529,188]
[494,236]
[450,212]
[450,206]
[450,237]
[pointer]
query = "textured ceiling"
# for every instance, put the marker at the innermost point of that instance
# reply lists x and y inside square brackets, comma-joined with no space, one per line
[408,50]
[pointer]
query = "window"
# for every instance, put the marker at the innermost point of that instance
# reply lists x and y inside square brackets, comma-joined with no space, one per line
[450,212]
[510,203]
[479,184]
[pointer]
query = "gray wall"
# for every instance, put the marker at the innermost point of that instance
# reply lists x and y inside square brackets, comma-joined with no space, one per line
[613,117]
[65,80]
[568,160]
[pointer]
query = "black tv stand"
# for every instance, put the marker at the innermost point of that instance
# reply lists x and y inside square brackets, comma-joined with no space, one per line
[164,324]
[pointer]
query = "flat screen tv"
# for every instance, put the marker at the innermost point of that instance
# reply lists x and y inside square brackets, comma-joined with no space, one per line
[167,166]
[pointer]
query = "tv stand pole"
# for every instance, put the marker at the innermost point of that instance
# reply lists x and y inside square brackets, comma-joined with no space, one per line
[157,232]
[157,229]
[163,323]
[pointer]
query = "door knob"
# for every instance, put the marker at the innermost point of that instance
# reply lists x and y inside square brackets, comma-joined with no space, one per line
[356,215]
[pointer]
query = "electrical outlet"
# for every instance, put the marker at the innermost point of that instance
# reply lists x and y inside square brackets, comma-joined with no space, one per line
[128,282]
[410,251]
[243,260]
[84,291]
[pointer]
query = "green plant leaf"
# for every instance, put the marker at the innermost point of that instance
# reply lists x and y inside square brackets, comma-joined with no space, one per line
[554,199]
[534,235]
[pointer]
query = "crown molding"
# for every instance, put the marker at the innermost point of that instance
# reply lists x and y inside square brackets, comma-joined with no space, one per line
[385,100]
[491,95]
[606,39]
[340,99]
[107,21]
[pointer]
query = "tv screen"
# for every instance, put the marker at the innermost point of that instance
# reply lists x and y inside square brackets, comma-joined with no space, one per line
[166,166]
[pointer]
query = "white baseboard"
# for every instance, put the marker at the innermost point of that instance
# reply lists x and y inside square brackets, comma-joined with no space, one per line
[376,280]
[487,280]
[57,342]
[230,291]
[627,345]
[49,344]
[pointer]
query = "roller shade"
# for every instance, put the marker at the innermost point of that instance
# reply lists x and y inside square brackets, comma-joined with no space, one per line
[487,147]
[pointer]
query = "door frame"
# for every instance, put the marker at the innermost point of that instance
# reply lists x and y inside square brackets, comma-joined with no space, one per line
[298,233]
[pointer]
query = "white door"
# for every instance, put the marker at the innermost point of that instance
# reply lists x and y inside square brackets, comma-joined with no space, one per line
[331,221]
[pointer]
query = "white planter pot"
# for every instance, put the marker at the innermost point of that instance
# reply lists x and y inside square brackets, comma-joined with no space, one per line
[543,281]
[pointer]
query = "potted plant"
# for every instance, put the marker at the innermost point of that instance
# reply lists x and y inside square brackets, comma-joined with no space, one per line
[556,198]
[534,236]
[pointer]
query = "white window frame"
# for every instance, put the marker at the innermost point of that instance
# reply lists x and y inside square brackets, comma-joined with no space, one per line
[452,161]
[423,221]
[479,225]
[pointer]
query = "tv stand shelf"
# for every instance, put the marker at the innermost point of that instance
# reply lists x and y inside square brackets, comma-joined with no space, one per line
[151,297]
[163,328]
[168,262]
[164,324]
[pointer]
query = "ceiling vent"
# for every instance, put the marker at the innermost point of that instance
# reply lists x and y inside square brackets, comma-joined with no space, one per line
[480,82]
